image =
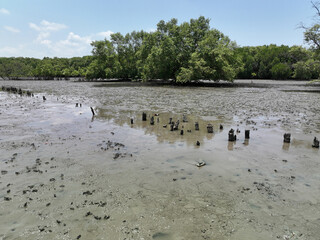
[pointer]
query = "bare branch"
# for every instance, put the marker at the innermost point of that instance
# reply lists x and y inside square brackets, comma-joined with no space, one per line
[316,6]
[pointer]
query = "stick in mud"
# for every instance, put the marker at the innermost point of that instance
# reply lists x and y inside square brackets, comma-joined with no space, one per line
[93,113]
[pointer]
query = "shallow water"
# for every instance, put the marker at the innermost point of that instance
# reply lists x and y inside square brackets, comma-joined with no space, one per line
[259,188]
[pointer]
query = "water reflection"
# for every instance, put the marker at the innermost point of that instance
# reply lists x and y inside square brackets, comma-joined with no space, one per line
[246,142]
[286,146]
[160,127]
[231,145]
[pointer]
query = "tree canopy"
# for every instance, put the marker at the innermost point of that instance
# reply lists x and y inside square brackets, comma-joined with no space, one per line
[181,53]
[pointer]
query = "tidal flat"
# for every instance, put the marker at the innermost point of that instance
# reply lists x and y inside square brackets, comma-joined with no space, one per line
[68,175]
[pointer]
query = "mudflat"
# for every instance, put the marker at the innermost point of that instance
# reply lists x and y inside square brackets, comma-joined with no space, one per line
[68,175]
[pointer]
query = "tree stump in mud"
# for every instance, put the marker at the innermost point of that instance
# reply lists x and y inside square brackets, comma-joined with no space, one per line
[171,126]
[184,118]
[196,126]
[287,137]
[209,128]
[144,116]
[152,120]
[247,134]
[232,136]
[315,143]
[176,125]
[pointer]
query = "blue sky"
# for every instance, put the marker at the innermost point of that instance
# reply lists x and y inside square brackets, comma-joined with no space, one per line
[65,28]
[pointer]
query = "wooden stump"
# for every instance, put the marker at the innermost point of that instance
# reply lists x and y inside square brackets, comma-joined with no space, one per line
[287,137]
[232,136]
[196,126]
[315,143]
[247,134]
[144,116]
[209,128]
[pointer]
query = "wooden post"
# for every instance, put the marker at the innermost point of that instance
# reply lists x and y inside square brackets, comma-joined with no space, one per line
[315,143]
[286,137]
[247,134]
[184,118]
[144,116]
[232,136]
[176,125]
[209,128]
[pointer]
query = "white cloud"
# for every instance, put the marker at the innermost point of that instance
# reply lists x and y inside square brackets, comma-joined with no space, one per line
[11,29]
[106,34]
[49,43]
[45,28]
[76,40]
[4,11]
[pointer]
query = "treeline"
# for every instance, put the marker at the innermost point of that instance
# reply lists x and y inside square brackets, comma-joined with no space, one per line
[187,52]
[47,68]
[278,62]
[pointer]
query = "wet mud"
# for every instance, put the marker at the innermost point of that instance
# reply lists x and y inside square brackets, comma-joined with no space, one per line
[68,175]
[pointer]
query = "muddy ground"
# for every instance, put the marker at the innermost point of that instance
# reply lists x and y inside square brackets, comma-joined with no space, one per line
[68,175]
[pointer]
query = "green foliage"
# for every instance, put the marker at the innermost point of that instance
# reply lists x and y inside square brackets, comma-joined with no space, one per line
[307,70]
[280,71]
[275,62]
[190,51]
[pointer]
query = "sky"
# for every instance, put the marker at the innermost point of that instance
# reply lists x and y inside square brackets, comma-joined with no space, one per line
[65,28]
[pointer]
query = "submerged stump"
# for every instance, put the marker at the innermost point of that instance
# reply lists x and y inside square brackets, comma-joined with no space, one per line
[232,136]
